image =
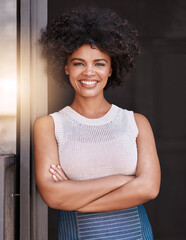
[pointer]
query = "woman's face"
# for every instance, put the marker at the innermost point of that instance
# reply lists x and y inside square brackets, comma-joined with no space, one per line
[88,69]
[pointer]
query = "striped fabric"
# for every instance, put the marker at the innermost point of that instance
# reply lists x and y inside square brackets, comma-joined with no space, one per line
[129,224]
[67,226]
[145,224]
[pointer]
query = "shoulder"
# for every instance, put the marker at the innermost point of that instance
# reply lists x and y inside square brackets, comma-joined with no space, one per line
[45,122]
[140,119]
[44,130]
[139,122]
[143,123]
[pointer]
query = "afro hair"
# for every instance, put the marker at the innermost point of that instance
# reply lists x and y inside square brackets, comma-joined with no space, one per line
[98,27]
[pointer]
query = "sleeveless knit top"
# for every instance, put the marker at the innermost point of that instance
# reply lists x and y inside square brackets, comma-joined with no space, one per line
[92,148]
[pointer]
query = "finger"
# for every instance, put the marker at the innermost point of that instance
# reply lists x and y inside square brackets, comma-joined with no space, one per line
[55,178]
[54,173]
[58,170]
[62,172]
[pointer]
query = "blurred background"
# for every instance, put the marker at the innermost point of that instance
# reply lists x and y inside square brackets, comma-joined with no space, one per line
[156,88]
[8,75]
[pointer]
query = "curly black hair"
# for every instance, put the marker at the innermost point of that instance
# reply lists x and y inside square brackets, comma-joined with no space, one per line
[102,28]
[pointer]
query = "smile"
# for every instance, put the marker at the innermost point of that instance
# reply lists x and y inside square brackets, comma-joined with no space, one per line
[89,82]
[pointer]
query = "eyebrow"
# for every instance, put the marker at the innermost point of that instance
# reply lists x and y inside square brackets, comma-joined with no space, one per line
[96,60]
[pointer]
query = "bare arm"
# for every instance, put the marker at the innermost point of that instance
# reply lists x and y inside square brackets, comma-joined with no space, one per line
[145,186]
[67,195]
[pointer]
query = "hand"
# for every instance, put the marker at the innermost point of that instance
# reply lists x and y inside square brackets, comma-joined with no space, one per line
[57,173]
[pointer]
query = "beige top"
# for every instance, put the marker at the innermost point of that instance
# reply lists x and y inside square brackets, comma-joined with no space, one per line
[92,148]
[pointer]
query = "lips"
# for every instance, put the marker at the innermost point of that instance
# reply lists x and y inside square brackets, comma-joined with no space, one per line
[88,83]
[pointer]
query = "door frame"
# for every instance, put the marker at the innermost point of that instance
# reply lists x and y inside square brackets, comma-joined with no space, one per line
[32,103]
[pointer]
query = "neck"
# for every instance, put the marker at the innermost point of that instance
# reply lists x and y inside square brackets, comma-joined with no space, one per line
[91,107]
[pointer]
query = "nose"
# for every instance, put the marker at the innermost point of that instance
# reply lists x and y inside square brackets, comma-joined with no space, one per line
[89,71]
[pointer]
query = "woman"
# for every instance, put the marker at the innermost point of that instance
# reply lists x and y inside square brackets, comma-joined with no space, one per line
[95,162]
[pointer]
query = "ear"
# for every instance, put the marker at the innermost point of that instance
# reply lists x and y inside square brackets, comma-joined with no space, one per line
[66,70]
[110,72]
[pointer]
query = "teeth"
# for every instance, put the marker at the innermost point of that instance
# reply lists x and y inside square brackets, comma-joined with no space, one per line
[89,82]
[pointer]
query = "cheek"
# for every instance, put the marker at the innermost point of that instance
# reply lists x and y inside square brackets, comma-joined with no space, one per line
[105,73]
[74,72]
[73,77]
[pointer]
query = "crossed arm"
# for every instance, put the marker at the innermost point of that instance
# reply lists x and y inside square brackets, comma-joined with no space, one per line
[97,195]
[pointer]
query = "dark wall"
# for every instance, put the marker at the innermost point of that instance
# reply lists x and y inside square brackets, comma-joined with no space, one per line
[156,89]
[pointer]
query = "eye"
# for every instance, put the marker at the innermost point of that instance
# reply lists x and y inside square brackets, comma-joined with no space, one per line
[78,64]
[100,64]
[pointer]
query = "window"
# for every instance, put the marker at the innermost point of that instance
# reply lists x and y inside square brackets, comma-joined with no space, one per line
[8,76]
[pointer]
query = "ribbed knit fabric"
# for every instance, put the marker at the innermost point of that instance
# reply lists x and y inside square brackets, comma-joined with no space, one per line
[93,148]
